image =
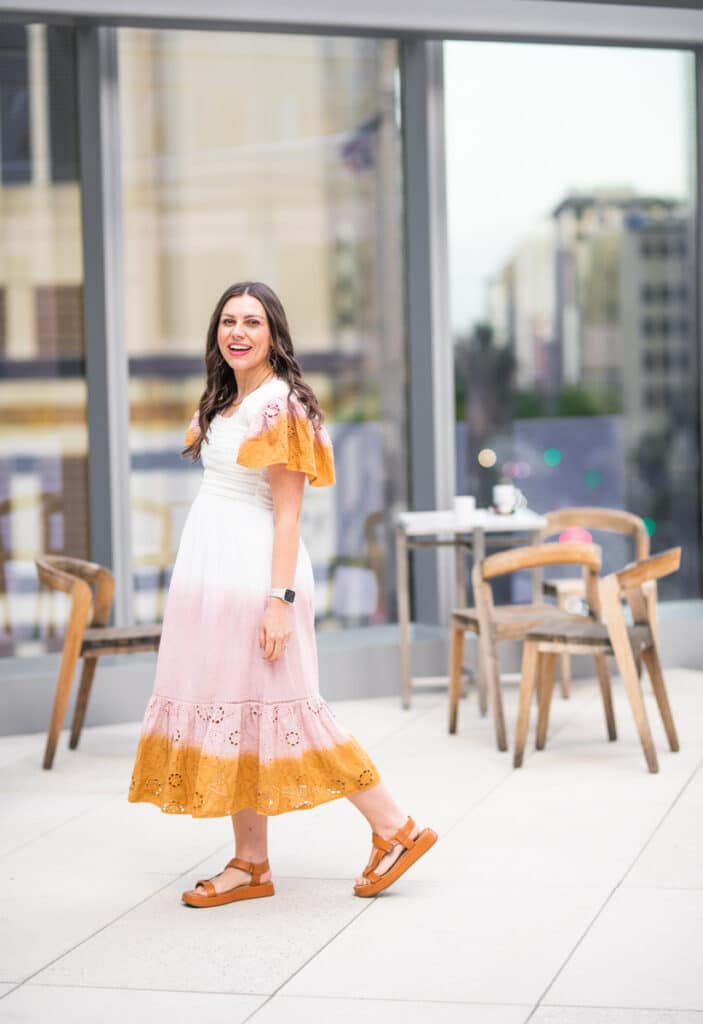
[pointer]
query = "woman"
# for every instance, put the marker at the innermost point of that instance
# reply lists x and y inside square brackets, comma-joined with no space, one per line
[236,724]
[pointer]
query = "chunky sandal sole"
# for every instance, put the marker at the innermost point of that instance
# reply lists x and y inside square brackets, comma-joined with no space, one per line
[252,890]
[240,892]
[422,843]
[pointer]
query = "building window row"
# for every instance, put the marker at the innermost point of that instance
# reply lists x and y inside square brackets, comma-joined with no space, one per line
[666,360]
[664,249]
[664,293]
[666,326]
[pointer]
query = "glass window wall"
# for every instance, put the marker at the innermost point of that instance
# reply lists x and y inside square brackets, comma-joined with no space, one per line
[274,158]
[571,220]
[43,435]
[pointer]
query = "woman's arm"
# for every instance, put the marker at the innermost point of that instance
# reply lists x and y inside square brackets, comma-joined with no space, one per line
[287,493]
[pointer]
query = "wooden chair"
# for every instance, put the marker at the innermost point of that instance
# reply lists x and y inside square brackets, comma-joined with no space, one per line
[564,591]
[512,622]
[546,642]
[87,636]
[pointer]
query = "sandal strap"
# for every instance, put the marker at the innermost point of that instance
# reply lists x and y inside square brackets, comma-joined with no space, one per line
[255,870]
[403,835]
[380,843]
[207,886]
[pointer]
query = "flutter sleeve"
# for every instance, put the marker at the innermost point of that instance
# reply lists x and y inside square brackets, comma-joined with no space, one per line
[193,429]
[282,434]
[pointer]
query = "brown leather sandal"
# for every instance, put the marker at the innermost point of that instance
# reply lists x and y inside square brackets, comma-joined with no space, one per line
[251,891]
[414,849]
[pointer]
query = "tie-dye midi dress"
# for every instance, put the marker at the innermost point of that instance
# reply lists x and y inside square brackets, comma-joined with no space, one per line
[225,730]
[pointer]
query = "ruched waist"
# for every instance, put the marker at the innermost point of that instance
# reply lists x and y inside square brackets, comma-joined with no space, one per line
[247,490]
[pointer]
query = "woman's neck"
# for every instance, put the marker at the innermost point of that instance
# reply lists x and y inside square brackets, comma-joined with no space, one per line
[246,383]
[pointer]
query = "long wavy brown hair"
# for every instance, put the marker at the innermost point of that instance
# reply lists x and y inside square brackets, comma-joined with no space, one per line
[221,383]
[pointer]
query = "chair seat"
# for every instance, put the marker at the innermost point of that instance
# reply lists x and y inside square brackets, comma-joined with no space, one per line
[572,586]
[120,639]
[586,633]
[512,621]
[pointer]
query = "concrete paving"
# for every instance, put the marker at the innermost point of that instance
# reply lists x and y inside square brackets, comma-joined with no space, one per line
[568,892]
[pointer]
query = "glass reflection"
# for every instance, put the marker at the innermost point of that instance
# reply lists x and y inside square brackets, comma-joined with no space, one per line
[43,437]
[572,275]
[273,158]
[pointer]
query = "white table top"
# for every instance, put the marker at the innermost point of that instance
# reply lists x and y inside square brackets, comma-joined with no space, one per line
[423,524]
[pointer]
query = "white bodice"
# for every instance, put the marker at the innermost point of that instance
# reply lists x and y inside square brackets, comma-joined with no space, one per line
[223,476]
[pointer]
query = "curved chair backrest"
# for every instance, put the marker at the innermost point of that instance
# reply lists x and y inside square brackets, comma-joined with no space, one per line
[664,563]
[636,583]
[77,577]
[593,518]
[536,556]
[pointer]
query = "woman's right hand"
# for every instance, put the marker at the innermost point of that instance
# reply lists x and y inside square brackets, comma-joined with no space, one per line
[275,630]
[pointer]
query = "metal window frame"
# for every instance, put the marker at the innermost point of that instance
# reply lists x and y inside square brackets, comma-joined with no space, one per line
[107,373]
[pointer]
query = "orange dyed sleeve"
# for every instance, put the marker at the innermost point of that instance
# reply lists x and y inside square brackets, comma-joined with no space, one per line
[193,429]
[282,434]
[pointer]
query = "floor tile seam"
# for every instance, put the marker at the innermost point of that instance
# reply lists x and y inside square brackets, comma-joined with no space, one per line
[362,910]
[663,819]
[618,1006]
[268,996]
[509,774]
[611,894]
[140,988]
[392,999]
[62,824]
[103,927]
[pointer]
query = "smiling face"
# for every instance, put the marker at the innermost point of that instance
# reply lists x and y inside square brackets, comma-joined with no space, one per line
[243,335]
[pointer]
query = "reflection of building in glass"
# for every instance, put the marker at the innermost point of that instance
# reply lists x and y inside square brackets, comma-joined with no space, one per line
[243,156]
[608,276]
[592,317]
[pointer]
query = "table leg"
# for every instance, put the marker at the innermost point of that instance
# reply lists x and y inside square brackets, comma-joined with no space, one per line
[401,565]
[460,573]
[479,553]
[538,573]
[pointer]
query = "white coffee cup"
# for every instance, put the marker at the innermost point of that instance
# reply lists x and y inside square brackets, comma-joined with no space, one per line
[504,498]
[464,506]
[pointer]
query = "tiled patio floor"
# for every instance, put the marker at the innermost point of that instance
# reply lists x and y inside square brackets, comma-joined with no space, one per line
[569,892]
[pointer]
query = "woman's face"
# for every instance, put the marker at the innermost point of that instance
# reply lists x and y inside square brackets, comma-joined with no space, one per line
[243,335]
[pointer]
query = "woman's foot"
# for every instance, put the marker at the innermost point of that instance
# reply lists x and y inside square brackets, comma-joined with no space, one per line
[230,878]
[389,859]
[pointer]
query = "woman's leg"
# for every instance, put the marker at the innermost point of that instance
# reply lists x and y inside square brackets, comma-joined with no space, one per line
[250,843]
[385,818]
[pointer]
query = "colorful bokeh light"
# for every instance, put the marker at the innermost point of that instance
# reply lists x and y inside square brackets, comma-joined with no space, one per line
[651,525]
[552,457]
[592,478]
[487,458]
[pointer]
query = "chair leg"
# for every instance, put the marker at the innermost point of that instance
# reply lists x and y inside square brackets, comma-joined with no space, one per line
[497,702]
[456,654]
[622,649]
[606,693]
[650,658]
[565,665]
[547,666]
[58,711]
[481,681]
[490,668]
[89,666]
[530,658]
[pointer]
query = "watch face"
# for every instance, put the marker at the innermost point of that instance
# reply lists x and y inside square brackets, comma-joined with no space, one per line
[289,596]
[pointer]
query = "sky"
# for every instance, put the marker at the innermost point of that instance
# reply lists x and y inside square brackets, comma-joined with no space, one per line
[526,124]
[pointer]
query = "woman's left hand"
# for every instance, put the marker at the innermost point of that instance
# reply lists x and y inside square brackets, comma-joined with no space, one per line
[275,631]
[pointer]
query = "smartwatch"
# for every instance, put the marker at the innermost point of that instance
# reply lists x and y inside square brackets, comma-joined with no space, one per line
[285,594]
